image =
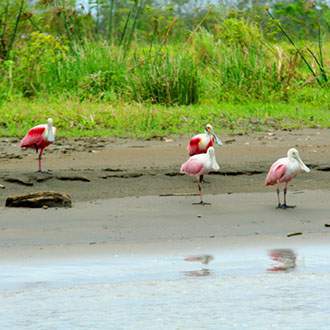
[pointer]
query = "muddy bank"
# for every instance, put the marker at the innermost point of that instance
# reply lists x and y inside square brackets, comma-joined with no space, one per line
[91,169]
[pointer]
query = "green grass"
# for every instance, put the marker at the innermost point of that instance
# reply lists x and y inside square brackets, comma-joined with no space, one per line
[160,91]
[76,119]
[201,70]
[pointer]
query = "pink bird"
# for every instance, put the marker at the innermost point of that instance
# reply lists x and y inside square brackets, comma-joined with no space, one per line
[200,143]
[198,165]
[283,171]
[39,137]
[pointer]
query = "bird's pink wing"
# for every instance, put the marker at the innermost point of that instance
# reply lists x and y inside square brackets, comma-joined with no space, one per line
[33,137]
[275,174]
[192,167]
[193,146]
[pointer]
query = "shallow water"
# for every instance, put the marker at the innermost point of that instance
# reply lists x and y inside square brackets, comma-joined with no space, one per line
[236,290]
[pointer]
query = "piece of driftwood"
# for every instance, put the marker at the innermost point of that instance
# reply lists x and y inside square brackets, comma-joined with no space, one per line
[40,199]
[294,234]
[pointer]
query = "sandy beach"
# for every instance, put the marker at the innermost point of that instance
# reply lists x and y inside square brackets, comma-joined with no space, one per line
[129,253]
[122,189]
[164,225]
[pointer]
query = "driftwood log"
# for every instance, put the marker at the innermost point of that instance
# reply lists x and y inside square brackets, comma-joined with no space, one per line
[40,199]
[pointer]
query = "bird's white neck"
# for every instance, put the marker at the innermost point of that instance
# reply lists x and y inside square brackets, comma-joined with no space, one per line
[50,133]
[213,160]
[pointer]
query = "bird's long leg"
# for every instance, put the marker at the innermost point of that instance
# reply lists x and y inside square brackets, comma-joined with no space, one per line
[205,181]
[39,159]
[285,206]
[279,205]
[200,187]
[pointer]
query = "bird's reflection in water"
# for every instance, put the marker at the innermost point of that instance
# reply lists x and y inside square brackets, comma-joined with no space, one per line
[203,259]
[198,273]
[284,260]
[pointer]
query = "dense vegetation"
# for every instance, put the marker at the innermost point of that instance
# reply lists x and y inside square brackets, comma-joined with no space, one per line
[146,67]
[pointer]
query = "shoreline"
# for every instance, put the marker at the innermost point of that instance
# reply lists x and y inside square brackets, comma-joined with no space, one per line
[158,225]
[118,209]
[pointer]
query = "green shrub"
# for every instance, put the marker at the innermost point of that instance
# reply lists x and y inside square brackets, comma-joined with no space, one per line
[34,58]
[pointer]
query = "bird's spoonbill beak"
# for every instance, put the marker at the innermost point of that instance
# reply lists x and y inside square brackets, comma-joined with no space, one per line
[303,166]
[217,140]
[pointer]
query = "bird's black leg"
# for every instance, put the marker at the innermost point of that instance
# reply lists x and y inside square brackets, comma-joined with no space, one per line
[199,183]
[202,180]
[285,206]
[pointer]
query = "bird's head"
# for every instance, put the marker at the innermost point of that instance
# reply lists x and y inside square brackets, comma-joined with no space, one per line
[50,121]
[294,154]
[209,130]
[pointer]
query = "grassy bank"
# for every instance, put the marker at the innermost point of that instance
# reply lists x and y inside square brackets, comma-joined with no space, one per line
[74,118]
[235,78]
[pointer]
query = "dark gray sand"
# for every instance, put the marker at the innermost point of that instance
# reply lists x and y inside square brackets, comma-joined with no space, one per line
[91,169]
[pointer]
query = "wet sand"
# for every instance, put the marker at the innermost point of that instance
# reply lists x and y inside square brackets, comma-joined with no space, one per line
[164,225]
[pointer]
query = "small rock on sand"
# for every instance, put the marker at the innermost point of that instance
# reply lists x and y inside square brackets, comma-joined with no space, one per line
[40,200]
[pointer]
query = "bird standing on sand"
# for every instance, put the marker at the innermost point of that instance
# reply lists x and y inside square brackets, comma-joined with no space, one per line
[283,171]
[39,137]
[200,143]
[198,165]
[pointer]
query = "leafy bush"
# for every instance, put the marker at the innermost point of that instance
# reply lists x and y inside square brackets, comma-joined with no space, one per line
[33,59]
[237,32]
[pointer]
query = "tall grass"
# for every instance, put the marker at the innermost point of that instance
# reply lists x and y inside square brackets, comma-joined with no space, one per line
[205,69]
[247,75]
[162,78]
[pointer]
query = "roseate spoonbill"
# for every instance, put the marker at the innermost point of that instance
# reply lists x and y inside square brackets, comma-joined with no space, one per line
[200,143]
[283,171]
[198,165]
[39,137]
